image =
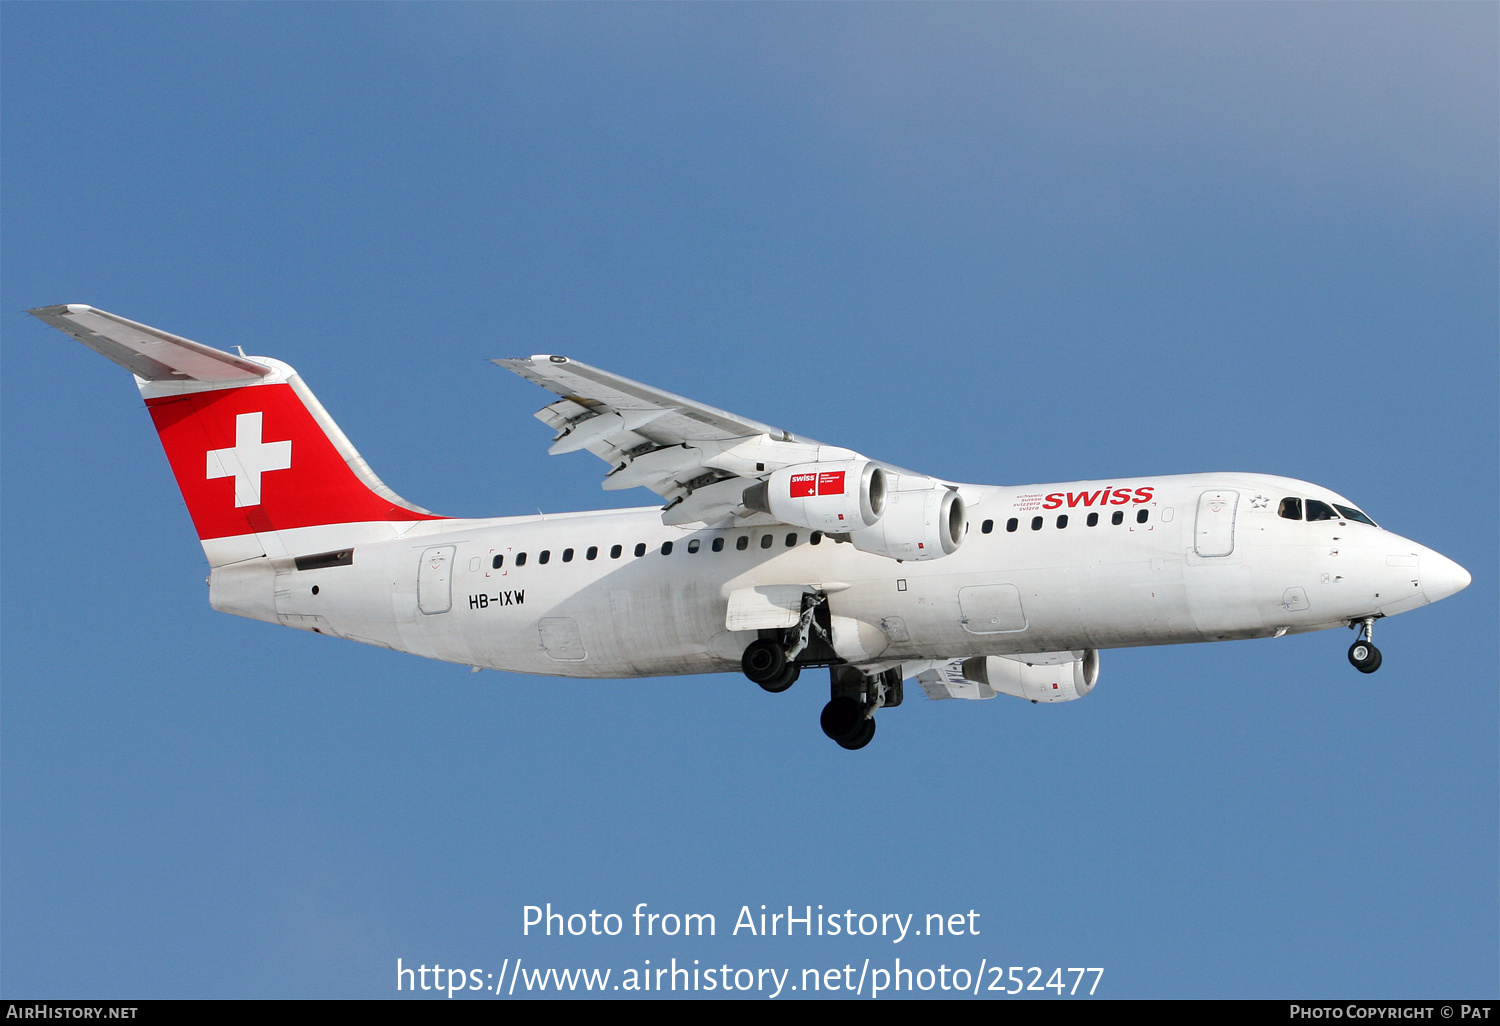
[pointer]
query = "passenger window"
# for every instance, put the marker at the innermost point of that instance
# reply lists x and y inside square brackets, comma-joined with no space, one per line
[1141,515]
[1093,520]
[1290,509]
[765,541]
[567,555]
[742,542]
[987,527]
[815,538]
[693,546]
[1320,511]
[666,548]
[1351,513]
[1118,518]
[791,539]
[1012,524]
[497,562]
[544,555]
[1036,523]
[640,548]
[1062,521]
[614,551]
[718,545]
[520,559]
[592,553]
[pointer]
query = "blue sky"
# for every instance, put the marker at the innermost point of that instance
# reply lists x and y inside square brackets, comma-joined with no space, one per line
[1001,243]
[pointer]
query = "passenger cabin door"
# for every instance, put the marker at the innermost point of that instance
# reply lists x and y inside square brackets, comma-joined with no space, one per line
[435,579]
[1213,534]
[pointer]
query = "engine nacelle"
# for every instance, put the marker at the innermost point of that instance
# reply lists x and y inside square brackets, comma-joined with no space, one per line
[1045,677]
[922,522]
[836,496]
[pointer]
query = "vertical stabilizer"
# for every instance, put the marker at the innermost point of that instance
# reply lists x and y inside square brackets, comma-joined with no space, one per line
[262,467]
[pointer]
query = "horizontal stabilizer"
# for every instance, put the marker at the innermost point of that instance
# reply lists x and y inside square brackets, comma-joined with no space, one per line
[147,352]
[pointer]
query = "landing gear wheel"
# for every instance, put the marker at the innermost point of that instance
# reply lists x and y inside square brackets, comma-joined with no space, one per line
[787,679]
[1364,656]
[842,719]
[861,737]
[765,663]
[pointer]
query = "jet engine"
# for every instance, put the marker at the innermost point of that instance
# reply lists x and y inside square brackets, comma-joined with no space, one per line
[925,519]
[836,496]
[1043,677]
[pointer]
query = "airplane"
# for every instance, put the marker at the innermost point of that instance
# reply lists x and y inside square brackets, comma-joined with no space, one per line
[771,554]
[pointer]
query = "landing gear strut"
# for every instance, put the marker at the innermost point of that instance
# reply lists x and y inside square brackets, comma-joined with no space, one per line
[849,716]
[1363,654]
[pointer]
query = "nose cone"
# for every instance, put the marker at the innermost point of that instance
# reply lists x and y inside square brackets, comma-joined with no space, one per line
[1442,577]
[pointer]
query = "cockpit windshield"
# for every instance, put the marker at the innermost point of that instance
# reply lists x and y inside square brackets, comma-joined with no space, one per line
[1291,509]
[1320,510]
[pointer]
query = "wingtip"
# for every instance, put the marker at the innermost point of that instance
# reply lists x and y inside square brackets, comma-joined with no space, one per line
[531,361]
[60,310]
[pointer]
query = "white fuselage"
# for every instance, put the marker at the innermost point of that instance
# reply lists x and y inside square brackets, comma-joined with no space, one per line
[1171,572]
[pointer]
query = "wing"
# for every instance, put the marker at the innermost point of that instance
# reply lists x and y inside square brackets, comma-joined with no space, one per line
[700,459]
[710,465]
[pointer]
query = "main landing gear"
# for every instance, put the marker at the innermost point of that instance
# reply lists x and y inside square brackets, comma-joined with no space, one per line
[765,662]
[1363,654]
[849,716]
[772,663]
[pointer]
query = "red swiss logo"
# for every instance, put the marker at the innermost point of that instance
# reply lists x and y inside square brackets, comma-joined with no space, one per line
[827,482]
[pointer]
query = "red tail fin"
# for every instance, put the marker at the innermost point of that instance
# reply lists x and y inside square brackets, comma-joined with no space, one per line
[254,452]
[255,458]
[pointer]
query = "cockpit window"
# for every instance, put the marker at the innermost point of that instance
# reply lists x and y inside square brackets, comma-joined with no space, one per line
[1290,508]
[1351,513]
[1320,511]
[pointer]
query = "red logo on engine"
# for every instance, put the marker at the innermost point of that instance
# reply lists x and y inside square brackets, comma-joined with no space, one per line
[827,482]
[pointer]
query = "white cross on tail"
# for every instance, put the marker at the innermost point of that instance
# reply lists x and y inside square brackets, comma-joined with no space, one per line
[249,459]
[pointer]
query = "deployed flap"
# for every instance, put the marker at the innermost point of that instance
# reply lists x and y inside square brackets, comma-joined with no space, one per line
[145,351]
[701,459]
[598,392]
[767,607]
[711,465]
[947,680]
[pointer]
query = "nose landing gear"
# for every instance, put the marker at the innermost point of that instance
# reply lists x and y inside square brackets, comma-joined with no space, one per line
[1363,654]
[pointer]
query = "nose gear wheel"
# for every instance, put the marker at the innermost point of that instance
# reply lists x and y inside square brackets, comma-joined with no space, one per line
[1363,654]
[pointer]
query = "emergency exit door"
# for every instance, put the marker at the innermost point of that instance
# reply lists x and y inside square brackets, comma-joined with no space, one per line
[435,579]
[1214,533]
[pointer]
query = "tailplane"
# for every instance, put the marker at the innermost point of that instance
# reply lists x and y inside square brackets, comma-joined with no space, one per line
[262,467]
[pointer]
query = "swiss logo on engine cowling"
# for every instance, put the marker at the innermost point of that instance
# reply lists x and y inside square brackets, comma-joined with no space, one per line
[828,482]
